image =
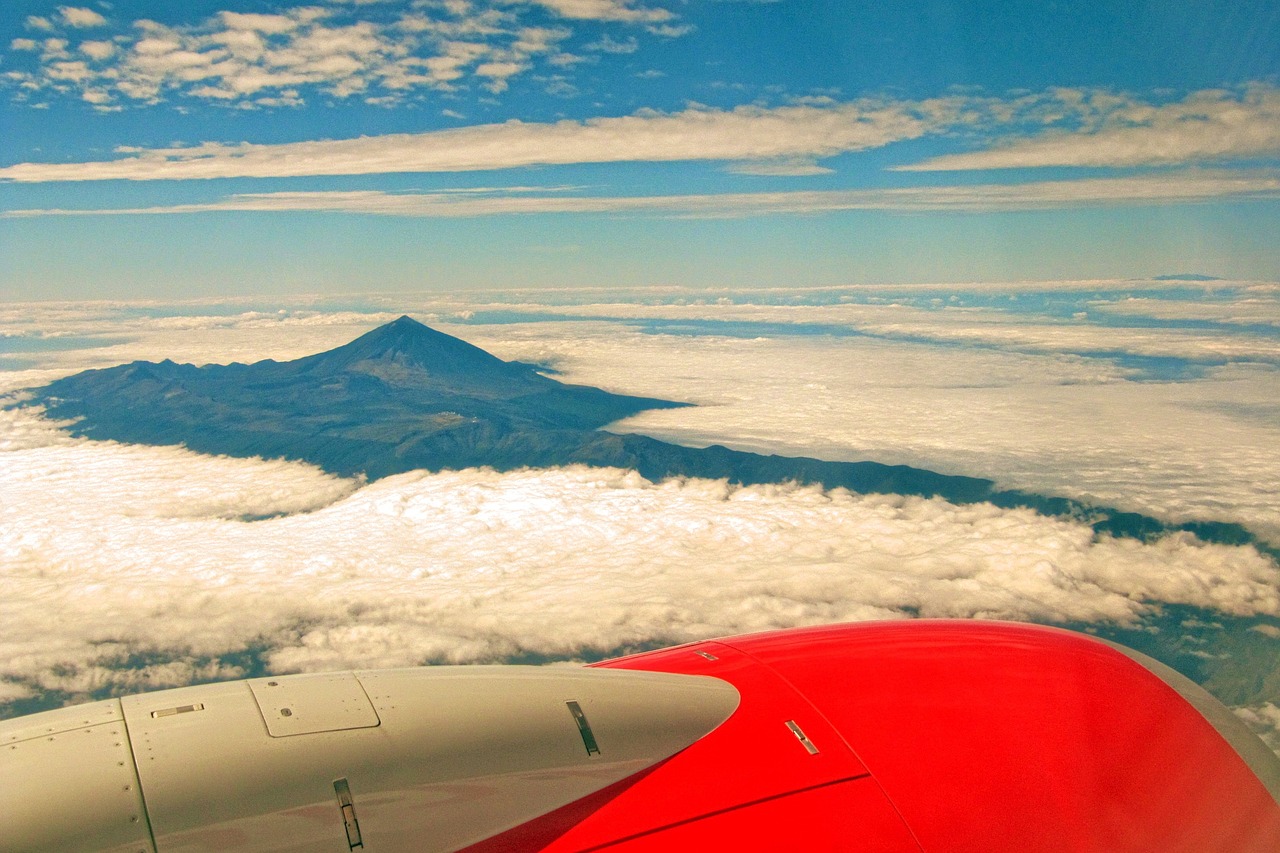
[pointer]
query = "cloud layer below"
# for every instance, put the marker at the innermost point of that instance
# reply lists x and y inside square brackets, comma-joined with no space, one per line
[1048,404]
[147,559]
[131,567]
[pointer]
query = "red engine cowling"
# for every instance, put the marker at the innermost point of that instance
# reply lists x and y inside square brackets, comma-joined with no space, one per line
[936,736]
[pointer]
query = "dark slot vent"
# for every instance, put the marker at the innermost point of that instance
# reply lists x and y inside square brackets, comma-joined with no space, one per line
[343,790]
[584,728]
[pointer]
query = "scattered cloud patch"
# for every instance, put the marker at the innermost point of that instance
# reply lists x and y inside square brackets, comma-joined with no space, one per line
[80,17]
[361,49]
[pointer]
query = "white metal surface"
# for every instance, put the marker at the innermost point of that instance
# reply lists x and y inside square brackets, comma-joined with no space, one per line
[429,759]
[70,783]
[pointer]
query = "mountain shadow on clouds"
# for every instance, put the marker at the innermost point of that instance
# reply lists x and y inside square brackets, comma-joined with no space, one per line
[406,397]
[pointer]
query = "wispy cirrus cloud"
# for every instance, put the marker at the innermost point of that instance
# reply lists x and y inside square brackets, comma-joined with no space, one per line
[1111,130]
[1147,189]
[352,50]
[1056,127]
[749,133]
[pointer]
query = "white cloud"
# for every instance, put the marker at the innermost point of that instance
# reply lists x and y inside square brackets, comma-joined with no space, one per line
[498,73]
[99,50]
[985,393]
[1262,309]
[269,24]
[54,48]
[1162,189]
[605,10]
[80,17]
[1206,126]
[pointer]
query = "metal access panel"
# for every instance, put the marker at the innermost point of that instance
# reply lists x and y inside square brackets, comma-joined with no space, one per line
[307,704]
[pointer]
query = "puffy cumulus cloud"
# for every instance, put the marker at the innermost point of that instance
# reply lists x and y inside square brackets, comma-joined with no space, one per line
[518,201]
[97,49]
[1108,130]
[123,581]
[382,54]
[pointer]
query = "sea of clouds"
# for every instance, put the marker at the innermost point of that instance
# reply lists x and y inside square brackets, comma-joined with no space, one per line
[128,567]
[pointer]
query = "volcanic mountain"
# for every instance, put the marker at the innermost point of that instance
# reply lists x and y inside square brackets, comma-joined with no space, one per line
[406,397]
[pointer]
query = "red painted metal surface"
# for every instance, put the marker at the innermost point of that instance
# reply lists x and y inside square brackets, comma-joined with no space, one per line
[931,736]
[991,737]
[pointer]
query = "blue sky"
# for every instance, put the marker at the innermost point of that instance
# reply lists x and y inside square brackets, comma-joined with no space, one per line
[219,148]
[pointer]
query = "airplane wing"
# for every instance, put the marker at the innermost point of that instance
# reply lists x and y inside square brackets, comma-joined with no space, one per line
[919,736]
